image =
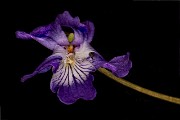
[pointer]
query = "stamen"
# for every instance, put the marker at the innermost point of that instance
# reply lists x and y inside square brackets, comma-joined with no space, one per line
[70,37]
[70,49]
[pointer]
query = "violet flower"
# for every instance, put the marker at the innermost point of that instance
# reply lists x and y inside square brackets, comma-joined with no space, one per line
[73,58]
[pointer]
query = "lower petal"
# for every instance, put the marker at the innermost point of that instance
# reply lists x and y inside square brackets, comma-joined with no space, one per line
[70,94]
[73,82]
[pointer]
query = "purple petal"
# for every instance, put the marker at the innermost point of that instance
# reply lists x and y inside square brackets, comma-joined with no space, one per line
[52,34]
[120,65]
[47,42]
[70,94]
[89,53]
[23,35]
[73,81]
[82,31]
[52,61]
[66,19]
[90,30]
[78,38]
[109,66]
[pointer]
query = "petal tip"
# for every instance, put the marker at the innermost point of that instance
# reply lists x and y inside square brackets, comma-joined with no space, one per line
[23,79]
[66,12]
[22,35]
[18,34]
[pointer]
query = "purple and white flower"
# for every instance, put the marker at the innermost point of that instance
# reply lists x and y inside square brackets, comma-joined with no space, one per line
[73,58]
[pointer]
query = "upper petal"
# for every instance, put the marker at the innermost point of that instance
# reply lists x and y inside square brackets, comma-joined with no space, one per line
[66,19]
[89,32]
[53,34]
[82,31]
[52,31]
[78,37]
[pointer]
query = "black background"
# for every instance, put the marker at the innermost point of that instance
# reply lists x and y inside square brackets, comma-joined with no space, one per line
[148,30]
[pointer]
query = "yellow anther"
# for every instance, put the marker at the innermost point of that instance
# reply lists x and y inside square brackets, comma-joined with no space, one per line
[71,37]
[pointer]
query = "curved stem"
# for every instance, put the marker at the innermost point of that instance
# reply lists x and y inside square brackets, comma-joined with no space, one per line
[140,89]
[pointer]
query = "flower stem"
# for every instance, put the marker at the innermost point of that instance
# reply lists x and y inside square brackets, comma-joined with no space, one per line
[139,88]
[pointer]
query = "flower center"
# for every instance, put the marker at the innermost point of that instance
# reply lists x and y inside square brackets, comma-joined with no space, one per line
[69,59]
[70,55]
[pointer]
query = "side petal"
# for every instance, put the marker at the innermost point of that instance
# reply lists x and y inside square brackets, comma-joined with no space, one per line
[52,61]
[45,41]
[85,51]
[120,65]
[49,35]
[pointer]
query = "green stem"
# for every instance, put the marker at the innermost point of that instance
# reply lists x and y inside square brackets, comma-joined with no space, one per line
[140,89]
